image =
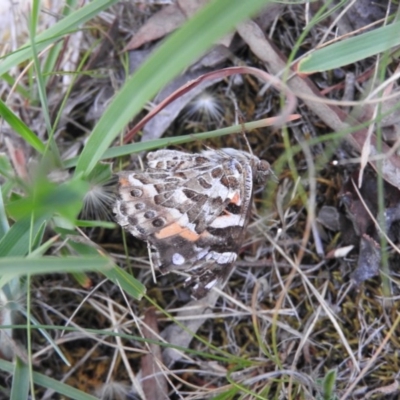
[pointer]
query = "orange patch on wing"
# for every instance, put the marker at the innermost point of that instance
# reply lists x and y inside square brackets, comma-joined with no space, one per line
[123,181]
[236,198]
[176,229]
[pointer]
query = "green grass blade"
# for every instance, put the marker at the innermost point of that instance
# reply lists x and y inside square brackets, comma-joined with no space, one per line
[47,197]
[179,50]
[96,224]
[20,382]
[329,383]
[55,32]
[228,395]
[50,383]
[127,282]
[351,50]
[7,171]
[20,128]
[39,248]
[16,266]
[44,105]
[120,151]
[117,275]
[4,227]
[46,335]
[16,241]
[18,88]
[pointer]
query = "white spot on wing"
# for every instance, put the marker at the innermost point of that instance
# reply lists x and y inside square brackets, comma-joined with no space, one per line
[178,259]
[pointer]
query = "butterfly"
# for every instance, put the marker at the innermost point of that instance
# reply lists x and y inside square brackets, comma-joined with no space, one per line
[193,209]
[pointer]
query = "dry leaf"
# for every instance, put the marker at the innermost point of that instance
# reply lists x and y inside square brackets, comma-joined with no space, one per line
[369,260]
[160,24]
[182,335]
[329,217]
[153,380]
[156,127]
[189,8]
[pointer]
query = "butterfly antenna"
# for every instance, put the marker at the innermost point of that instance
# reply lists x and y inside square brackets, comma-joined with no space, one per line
[239,119]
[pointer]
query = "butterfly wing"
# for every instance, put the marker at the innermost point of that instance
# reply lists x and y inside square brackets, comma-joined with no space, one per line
[192,208]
